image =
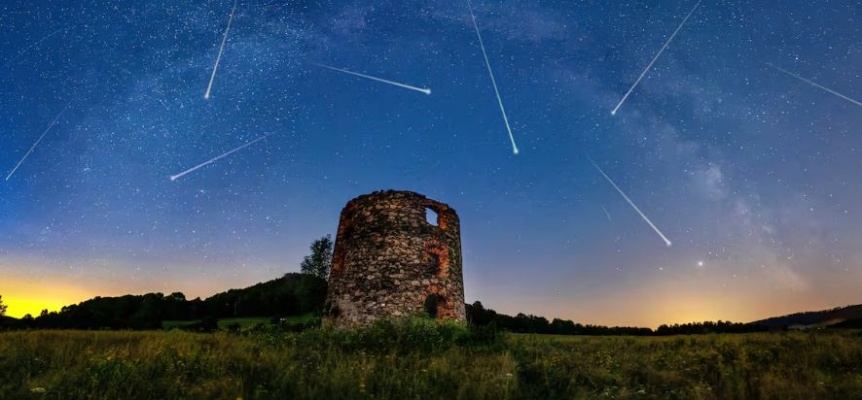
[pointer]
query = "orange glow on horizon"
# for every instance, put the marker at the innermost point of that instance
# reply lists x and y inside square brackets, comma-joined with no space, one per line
[25,294]
[21,307]
[26,297]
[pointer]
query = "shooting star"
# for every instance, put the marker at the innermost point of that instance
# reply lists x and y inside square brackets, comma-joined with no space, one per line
[220,51]
[606,212]
[815,84]
[39,140]
[26,49]
[631,203]
[493,81]
[401,85]
[214,159]
[663,48]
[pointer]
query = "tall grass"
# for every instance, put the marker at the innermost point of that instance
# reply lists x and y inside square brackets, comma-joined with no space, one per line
[816,365]
[420,359]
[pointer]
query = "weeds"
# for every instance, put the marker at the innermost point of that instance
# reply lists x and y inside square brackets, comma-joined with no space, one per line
[422,359]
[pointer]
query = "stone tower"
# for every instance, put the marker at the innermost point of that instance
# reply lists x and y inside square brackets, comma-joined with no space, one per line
[397,253]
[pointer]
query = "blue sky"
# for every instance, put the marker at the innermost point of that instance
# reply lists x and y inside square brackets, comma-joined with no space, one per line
[751,172]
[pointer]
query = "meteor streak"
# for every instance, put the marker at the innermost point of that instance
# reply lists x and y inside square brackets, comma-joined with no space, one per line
[214,159]
[401,85]
[606,212]
[815,84]
[663,48]
[37,141]
[220,51]
[666,241]
[493,81]
[21,53]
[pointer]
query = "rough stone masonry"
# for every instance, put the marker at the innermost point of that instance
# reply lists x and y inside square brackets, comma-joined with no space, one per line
[397,253]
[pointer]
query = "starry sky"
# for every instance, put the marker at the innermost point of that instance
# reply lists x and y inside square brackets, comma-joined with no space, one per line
[752,172]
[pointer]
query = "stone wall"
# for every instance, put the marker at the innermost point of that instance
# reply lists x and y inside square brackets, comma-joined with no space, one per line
[389,261]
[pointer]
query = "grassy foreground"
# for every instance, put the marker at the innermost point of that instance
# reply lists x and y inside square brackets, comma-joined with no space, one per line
[243,323]
[420,359]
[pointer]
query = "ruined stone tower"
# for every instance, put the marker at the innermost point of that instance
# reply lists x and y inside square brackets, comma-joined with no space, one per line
[390,260]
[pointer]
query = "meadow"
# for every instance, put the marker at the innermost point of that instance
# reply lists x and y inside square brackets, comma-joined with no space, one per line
[241,323]
[421,359]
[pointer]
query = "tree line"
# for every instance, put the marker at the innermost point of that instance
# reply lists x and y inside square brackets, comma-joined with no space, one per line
[303,293]
[478,315]
[292,294]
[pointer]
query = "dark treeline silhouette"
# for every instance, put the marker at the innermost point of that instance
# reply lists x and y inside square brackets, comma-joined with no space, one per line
[292,294]
[696,328]
[855,323]
[299,294]
[825,317]
[478,315]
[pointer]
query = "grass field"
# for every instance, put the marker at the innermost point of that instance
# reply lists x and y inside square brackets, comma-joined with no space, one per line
[424,360]
[244,323]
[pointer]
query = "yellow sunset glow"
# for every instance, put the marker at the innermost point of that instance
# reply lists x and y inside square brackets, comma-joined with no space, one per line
[27,297]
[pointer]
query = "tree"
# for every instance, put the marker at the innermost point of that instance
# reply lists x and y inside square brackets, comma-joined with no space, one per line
[2,307]
[176,296]
[320,260]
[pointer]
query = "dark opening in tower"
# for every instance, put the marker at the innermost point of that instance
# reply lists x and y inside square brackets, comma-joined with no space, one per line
[433,265]
[432,305]
[436,260]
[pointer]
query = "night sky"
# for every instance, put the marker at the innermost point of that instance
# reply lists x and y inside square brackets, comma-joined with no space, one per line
[751,172]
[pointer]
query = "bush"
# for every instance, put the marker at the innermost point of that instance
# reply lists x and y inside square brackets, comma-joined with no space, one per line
[206,324]
[415,333]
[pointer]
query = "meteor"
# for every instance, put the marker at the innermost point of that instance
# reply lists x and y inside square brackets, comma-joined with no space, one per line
[631,203]
[815,84]
[606,212]
[220,51]
[493,81]
[21,53]
[401,85]
[663,48]
[37,141]
[214,159]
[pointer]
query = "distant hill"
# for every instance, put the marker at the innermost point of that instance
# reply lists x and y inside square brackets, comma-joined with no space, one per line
[813,319]
[855,323]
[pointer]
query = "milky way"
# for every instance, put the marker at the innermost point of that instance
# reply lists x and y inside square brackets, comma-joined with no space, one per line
[751,170]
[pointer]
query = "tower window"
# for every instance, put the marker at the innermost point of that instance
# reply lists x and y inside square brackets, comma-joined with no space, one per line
[433,264]
[431,216]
